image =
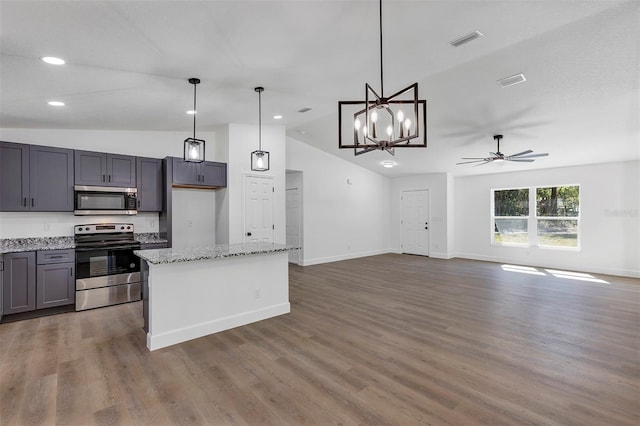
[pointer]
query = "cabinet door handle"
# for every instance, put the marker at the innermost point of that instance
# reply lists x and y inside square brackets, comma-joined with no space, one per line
[70,272]
[138,203]
[109,178]
[59,256]
[24,202]
[104,178]
[32,202]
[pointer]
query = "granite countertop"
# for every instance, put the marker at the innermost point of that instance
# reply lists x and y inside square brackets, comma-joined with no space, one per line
[150,238]
[173,255]
[13,245]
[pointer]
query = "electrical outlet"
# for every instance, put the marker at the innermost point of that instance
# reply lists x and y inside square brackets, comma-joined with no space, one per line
[257,293]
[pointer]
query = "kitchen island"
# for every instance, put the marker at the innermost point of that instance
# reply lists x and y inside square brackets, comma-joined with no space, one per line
[193,292]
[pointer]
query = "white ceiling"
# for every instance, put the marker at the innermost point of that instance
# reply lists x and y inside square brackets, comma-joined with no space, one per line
[128,63]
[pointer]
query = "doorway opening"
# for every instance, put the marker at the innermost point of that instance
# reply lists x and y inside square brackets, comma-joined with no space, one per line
[294,214]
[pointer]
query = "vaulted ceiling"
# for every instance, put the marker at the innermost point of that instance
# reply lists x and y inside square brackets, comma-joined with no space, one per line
[128,63]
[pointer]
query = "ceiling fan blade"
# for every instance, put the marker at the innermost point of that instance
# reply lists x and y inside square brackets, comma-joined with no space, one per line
[535,155]
[520,160]
[521,153]
[474,161]
[482,164]
[472,158]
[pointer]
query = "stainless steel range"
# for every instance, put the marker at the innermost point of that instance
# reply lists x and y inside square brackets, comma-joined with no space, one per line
[107,271]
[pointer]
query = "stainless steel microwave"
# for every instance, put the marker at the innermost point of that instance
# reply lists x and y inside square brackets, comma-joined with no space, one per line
[104,200]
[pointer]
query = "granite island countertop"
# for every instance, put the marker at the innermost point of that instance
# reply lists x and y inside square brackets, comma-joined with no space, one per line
[174,255]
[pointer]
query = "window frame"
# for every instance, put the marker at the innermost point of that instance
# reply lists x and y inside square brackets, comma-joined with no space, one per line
[532,219]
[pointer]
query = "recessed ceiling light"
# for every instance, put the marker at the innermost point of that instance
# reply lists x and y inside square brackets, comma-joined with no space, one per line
[388,164]
[56,103]
[466,38]
[192,112]
[277,117]
[53,60]
[510,81]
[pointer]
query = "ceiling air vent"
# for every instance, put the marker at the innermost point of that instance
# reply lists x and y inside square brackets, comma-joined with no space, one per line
[466,38]
[510,81]
[305,109]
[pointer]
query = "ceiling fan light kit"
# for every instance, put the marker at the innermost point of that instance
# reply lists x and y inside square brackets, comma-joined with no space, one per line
[521,157]
[194,148]
[380,122]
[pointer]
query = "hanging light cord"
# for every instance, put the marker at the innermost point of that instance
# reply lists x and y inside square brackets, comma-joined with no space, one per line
[195,111]
[381,74]
[260,120]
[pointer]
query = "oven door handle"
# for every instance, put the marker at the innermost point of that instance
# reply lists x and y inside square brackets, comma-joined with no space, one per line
[85,249]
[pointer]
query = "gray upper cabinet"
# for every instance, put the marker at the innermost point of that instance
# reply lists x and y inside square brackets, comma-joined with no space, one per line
[19,282]
[14,177]
[149,179]
[51,179]
[101,169]
[214,174]
[208,173]
[36,178]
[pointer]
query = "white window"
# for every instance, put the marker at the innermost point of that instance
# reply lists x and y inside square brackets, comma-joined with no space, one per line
[537,216]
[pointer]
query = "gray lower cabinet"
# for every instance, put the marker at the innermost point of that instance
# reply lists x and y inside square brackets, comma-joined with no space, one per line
[35,178]
[39,280]
[102,169]
[19,282]
[151,246]
[55,283]
[150,184]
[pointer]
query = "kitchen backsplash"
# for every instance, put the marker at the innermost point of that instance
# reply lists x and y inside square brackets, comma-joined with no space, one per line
[51,224]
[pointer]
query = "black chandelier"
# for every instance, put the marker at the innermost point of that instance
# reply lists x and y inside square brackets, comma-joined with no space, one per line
[260,158]
[383,123]
[194,148]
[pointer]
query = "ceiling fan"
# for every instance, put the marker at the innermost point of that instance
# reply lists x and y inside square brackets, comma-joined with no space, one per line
[521,157]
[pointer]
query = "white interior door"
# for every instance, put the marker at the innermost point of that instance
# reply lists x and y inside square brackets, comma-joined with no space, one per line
[415,222]
[294,228]
[258,209]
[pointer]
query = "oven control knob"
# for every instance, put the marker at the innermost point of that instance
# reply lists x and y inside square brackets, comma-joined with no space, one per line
[128,227]
[86,229]
[122,227]
[132,265]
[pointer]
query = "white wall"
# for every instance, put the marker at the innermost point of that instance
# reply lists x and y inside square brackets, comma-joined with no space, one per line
[609,222]
[128,142]
[243,139]
[193,218]
[439,211]
[60,224]
[341,220]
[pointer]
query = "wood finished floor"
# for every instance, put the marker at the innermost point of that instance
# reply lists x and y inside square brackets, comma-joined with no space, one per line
[390,339]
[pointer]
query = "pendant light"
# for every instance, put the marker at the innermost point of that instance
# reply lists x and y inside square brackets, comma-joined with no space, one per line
[259,158]
[194,148]
[380,122]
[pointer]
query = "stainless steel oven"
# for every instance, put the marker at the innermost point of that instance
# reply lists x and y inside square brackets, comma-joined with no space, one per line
[107,271]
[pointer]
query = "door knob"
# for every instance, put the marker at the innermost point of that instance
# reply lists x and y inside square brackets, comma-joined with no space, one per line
[248,234]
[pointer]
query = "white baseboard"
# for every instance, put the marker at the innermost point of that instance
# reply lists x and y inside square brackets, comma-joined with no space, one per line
[319,260]
[173,337]
[594,269]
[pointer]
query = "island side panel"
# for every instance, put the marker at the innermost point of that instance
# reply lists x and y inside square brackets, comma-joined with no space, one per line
[192,299]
